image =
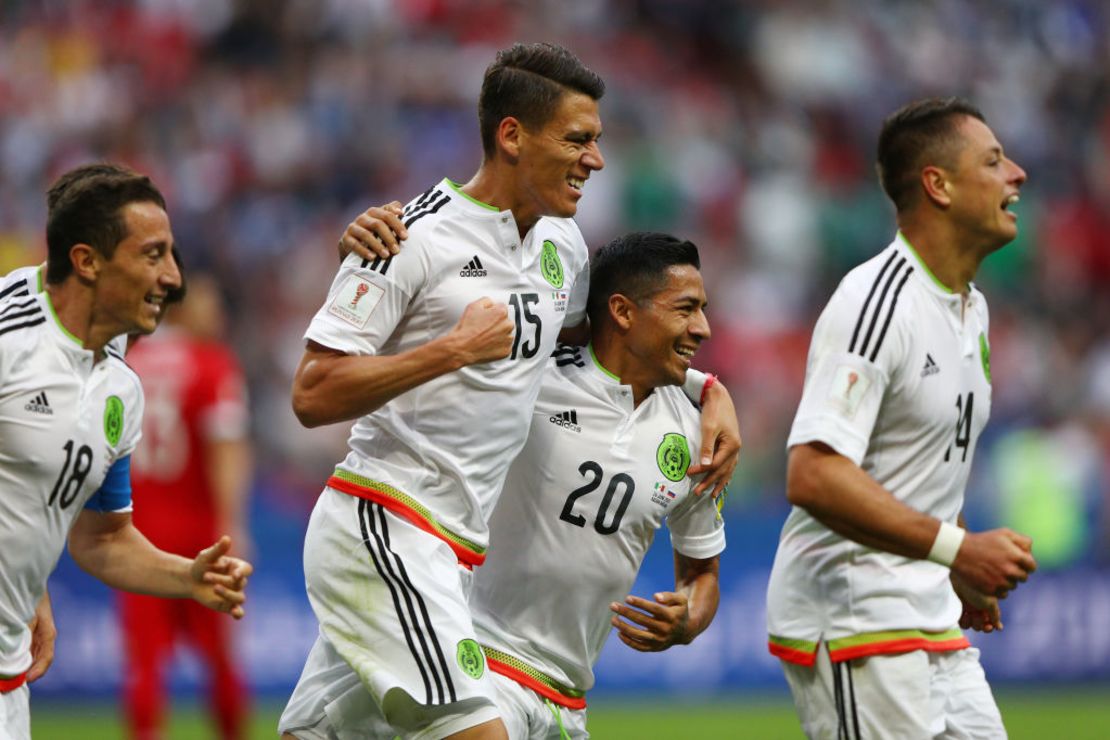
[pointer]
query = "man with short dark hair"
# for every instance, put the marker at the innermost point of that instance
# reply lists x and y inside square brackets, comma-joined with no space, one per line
[605,464]
[70,412]
[874,573]
[440,350]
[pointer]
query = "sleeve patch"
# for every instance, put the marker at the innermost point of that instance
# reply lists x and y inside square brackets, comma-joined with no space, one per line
[356,301]
[848,389]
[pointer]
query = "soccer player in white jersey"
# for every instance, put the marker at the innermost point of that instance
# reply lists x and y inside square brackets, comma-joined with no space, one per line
[874,573]
[439,352]
[605,464]
[70,413]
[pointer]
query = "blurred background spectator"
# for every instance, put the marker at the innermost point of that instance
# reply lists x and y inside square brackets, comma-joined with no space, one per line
[748,127]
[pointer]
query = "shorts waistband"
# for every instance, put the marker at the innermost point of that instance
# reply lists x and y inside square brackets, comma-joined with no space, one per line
[533,678]
[469,553]
[12,683]
[893,642]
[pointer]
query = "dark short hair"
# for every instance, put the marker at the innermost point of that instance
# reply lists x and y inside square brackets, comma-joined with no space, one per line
[526,81]
[77,174]
[635,265]
[87,208]
[919,134]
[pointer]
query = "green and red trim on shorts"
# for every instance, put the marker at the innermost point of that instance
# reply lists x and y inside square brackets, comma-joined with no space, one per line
[533,678]
[400,503]
[892,642]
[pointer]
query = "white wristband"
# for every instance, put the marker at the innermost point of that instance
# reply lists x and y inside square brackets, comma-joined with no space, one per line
[947,544]
[695,384]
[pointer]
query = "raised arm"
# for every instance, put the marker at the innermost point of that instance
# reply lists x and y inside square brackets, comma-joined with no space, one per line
[843,497]
[331,386]
[110,548]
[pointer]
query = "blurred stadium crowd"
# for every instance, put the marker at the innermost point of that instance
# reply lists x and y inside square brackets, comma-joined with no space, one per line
[748,127]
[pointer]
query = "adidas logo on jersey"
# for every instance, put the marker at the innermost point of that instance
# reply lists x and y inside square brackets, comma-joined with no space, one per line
[473,268]
[39,404]
[567,420]
[931,367]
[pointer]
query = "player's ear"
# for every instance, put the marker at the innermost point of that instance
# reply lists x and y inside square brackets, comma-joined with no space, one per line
[509,134]
[621,310]
[935,183]
[86,262]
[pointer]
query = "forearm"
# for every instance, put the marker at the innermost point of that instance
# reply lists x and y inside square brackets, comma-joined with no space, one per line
[843,497]
[700,581]
[124,559]
[330,387]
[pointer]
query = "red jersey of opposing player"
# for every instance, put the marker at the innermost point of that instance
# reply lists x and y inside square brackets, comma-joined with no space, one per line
[194,396]
[190,476]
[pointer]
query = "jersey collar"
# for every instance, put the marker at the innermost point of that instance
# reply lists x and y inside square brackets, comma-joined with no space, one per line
[926,277]
[618,392]
[62,336]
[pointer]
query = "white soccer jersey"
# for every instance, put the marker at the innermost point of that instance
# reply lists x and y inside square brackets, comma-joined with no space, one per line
[438,453]
[898,381]
[580,509]
[64,421]
[24,281]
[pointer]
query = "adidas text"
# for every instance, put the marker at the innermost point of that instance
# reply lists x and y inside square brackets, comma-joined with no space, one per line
[567,420]
[473,269]
[39,405]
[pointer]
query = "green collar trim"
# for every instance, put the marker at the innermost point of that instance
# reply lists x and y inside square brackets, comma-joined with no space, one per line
[458,189]
[50,305]
[39,276]
[924,266]
[598,364]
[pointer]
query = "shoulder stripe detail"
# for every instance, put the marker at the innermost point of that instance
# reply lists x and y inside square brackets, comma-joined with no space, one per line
[13,306]
[19,287]
[427,209]
[414,203]
[867,302]
[889,314]
[379,264]
[567,355]
[12,327]
[878,306]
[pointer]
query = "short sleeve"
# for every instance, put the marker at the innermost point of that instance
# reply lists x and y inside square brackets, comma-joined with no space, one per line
[368,299]
[224,413]
[697,528]
[846,377]
[114,494]
[579,292]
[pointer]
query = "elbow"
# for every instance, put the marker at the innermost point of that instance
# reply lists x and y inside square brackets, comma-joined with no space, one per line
[307,408]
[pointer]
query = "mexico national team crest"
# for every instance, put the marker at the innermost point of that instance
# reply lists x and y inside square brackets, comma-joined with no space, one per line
[470,658]
[550,265]
[113,419]
[673,456]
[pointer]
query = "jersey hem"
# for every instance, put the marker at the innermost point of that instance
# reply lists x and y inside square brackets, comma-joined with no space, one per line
[534,679]
[469,553]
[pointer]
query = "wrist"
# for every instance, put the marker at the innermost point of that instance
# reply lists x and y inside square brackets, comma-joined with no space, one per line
[947,544]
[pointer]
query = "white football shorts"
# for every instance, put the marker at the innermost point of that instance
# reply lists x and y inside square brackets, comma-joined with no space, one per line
[917,695]
[397,647]
[15,714]
[529,716]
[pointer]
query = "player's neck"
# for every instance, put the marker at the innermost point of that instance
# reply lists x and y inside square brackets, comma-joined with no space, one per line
[611,359]
[72,304]
[495,185]
[940,248]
